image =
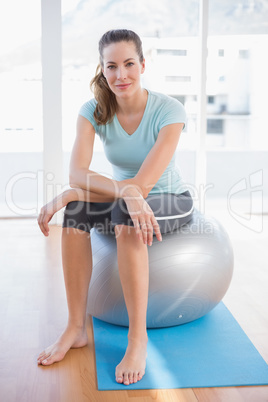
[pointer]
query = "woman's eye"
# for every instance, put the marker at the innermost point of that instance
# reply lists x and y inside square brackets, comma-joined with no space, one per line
[130,64]
[110,67]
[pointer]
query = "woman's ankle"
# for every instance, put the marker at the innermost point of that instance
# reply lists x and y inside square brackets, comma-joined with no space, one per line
[138,335]
[78,325]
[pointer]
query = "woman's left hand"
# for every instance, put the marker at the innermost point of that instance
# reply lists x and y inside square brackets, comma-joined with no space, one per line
[141,215]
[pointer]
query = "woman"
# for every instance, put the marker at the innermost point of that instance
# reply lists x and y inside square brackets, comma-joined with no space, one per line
[140,130]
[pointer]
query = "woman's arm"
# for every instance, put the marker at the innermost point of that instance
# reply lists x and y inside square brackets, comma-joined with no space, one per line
[60,201]
[159,157]
[94,182]
[79,174]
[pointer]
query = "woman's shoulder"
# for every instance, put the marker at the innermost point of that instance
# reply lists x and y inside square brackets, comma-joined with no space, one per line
[163,99]
[87,110]
[89,105]
[166,109]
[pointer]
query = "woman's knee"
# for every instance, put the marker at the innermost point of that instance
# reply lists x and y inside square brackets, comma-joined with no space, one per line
[123,231]
[120,214]
[75,216]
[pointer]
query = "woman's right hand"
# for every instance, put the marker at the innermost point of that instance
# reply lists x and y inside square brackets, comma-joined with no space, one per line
[49,209]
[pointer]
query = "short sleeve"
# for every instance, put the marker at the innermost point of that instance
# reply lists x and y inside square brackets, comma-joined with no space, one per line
[173,112]
[87,111]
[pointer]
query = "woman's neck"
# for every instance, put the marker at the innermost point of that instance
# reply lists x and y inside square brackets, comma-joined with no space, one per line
[133,105]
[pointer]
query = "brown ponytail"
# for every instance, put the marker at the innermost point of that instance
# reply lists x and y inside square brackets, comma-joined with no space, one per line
[106,106]
[106,100]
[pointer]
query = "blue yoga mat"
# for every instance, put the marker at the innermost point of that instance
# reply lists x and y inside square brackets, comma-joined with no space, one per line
[212,351]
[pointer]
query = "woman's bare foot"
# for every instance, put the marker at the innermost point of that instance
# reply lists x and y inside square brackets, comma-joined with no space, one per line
[72,337]
[132,367]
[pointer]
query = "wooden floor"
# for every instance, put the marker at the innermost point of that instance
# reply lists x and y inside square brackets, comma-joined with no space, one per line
[33,312]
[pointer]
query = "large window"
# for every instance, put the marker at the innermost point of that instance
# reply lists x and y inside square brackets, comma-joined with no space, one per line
[238,39]
[20,77]
[21,133]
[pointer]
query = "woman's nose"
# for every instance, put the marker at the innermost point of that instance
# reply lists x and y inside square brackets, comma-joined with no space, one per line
[121,73]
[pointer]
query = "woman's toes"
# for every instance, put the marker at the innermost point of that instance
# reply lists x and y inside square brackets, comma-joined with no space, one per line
[130,376]
[43,358]
[40,359]
[135,377]
[41,355]
[119,377]
[46,358]
[139,376]
[47,361]
[126,379]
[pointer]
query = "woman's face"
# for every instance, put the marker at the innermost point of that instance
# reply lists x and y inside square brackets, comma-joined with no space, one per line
[122,68]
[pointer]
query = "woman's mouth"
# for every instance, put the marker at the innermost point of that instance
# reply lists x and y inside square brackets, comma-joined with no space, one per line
[123,86]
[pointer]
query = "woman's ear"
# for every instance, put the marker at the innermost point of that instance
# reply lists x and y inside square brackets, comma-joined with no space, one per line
[143,66]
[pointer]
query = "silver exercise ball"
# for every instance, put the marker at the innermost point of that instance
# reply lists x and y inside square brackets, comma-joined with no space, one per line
[189,273]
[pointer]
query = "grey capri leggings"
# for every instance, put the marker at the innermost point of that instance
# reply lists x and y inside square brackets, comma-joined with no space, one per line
[170,210]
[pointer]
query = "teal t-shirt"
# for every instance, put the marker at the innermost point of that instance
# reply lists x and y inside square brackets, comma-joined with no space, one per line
[127,152]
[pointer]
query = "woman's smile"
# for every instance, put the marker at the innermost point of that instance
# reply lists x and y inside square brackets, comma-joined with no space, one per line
[122,86]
